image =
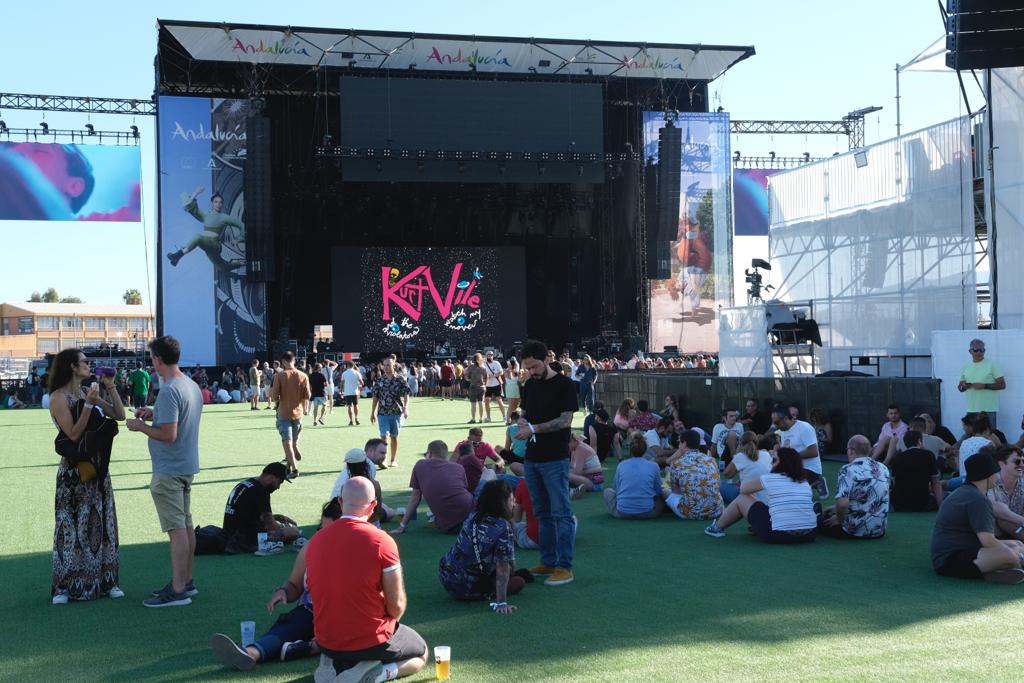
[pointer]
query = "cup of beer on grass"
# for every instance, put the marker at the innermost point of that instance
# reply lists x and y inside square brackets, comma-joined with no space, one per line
[442,662]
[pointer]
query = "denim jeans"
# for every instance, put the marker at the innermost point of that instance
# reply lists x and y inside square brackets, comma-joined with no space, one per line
[548,483]
[294,625]
[587,396]
[730,492]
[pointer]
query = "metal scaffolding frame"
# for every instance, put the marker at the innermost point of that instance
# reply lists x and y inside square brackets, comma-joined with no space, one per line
[851,125]
[74,103]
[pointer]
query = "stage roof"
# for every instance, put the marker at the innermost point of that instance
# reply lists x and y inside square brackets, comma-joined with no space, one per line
[382,50]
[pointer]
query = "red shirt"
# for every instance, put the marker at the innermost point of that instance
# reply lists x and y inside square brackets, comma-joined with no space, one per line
[523,499]
[447,373]
[482,451]
[344,565]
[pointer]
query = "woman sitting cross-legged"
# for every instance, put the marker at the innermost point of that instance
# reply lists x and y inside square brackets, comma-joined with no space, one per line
[481,563]
[584,465]
[789,516]
[636,492]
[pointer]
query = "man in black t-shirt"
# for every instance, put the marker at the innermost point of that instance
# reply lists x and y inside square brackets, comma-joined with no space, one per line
[548,402]
[318,392]
[248,512]
[916,477]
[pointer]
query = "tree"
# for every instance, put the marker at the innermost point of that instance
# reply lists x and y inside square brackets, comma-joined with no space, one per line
[50,296]
[133,297]
[36,298]
[70,300]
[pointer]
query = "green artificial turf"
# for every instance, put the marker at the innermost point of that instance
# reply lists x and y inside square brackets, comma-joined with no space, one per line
[653,600]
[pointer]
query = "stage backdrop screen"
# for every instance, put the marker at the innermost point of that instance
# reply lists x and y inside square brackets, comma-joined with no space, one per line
[467,116]
[399,298]
[42,181]
[207,300]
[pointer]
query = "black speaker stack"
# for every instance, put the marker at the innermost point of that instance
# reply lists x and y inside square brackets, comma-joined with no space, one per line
[259,223]
[984,34]
[670,150]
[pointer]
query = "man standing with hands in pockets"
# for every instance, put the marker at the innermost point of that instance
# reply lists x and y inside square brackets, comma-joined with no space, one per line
[174,450]
[548,402]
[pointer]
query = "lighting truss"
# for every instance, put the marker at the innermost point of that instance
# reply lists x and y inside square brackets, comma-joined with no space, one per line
[127,137]
[773,162]
[851,125]
[338,152]
[85,105]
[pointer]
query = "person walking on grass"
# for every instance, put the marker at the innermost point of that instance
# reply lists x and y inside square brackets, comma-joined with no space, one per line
[290,391]
[476,375]
[548,402]
[174,450]
[390,405]
[255,382]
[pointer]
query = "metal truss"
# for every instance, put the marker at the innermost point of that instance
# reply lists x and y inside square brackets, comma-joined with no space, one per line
[121,137]
[773,161]
[851,125]
[72,103]
[335,152]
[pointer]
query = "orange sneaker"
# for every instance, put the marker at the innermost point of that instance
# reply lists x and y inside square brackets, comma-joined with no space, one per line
[542,570]
[560,577]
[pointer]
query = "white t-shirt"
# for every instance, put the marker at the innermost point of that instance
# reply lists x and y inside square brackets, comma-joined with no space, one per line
[339,483]
[328,373]
[493,373]
[223,396]
[655,440]
[799,437]
[351,378]
[753,469]
[720,433]
[789,503]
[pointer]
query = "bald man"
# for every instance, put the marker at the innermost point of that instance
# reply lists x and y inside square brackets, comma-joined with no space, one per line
[862,496]
[354,576]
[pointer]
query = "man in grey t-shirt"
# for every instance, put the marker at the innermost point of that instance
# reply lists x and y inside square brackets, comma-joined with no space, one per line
[174,450]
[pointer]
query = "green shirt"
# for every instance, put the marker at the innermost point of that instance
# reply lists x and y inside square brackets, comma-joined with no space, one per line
[983,372]
[139,380]
[214,221]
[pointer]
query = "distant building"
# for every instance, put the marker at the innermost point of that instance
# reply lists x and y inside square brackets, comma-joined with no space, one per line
[30,330]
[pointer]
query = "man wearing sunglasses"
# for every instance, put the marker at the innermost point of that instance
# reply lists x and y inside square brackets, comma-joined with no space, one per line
[981,379]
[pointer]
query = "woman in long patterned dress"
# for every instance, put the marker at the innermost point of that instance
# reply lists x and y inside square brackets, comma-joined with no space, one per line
[85,560]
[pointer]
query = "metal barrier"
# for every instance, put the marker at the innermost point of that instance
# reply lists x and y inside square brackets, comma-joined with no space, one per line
[855,405]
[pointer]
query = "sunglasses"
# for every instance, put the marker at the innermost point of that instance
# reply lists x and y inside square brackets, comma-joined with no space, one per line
[981,350]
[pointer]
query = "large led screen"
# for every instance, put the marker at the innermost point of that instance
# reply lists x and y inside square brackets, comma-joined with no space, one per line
[400,298]
[48,181]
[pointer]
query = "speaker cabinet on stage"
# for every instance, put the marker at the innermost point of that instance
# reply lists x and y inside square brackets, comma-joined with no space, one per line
[984,34]
[259,224]
[665,227]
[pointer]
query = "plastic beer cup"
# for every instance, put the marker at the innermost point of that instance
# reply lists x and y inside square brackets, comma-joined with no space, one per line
[442,662]
[248,633]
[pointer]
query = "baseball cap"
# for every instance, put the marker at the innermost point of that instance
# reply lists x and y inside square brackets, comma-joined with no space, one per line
[355,455]
[970,447]
[981,466]
[276,469]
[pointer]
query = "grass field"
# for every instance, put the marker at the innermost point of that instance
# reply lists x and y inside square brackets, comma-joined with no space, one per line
[653,600]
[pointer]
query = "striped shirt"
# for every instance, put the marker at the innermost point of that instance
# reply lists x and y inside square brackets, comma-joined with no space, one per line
[789,503]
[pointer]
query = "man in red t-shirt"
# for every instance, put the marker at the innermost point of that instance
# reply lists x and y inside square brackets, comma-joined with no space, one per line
[354,577]
[481,449]
[447,379]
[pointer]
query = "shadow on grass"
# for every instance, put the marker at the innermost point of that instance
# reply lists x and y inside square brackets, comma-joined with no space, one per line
[235,480]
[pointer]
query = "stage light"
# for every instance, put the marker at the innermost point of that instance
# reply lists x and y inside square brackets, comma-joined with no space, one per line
[45,127]
[736,155]
[90,129]
[135,131]
[412,67]
[472,67]
[860,158]
[720,109]
[772,155]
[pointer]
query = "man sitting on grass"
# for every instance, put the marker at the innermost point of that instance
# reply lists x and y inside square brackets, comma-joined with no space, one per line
[659,447]
[291,636]
[354,575]
[964,544]
[917,483]
[862,496]
[248,512]
[443,484]
[636,492]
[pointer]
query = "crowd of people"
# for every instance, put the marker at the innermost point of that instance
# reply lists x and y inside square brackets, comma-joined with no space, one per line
[764,466]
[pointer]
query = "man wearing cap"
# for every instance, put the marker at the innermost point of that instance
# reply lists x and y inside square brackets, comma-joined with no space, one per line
[964,544]
[981,379]
[355,456]
[248,512]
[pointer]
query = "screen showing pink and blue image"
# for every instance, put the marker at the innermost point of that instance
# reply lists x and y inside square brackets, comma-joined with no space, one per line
[750,196]
[48,181]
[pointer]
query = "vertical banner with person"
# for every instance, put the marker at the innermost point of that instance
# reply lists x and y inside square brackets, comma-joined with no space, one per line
[208,302]
[684,307]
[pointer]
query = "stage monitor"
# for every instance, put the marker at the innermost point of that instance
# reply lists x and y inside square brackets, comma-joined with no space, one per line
[506,117]
[416,298]
[48,181]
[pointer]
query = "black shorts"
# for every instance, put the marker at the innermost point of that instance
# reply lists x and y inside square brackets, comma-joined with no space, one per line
[403,644]
[352,399]
[760,521]
[445,383]
[494,392]
[138,401]
[476,394]
[960,565]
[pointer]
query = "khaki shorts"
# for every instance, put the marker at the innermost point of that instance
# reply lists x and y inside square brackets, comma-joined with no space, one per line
[171,495]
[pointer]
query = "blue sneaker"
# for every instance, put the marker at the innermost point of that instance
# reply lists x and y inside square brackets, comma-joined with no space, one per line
[168,598]
[714,531]
[190,589]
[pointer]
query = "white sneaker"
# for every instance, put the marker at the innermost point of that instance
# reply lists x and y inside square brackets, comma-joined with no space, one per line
[60,599]
[116,592]
[363,672]
[271,548]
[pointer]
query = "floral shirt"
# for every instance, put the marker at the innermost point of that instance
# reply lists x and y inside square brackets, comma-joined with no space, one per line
[1013,500]
[696,476]
[865,483]
[480,546]
[389,392]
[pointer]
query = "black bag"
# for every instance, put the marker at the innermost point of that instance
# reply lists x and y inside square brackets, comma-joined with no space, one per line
[91,453]
[210,540]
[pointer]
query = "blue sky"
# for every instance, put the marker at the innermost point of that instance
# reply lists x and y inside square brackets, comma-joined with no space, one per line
[815,60]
